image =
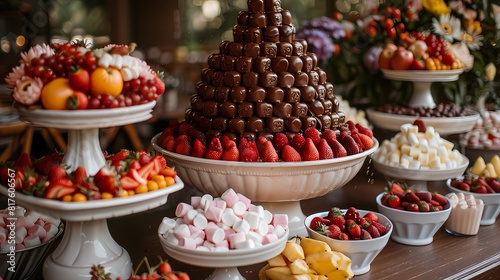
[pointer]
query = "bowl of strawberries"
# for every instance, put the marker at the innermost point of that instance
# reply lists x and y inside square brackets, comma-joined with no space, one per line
[416,215]
[359,234]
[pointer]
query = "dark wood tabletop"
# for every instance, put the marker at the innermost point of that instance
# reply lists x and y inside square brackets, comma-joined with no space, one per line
[447,257]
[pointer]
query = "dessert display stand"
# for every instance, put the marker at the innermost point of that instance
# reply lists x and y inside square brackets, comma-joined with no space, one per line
[225,263]
[422,97]
[417,179]
[277,186]
[87,240]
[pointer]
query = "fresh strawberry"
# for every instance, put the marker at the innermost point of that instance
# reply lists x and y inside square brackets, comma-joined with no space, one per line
[162,162]
[182,145]
[104,172]
[411,197]
[420,124]
[350,145]
[183,128]
[413,207]
[168,172]
[380,227]
[423,206]
[364,130]
[337,149]
[394,201]
[351,214]
[231,154]
[364,223]
[198,149]
[280,140]
[107,184]
[324,150]
[56,173]
[441,199]
[66,190]
[174,125]
[352,127]
[128,183]
[214,150]
[144,158]
[260,142]
[358,141]
[371,217]
[395,187]
[147,170]
[268,153]
[333,231]
[298,141]
[353,228]
[343,236]
[159,84]
[165,133]
[318,222]
[248,150]
[373,231]
[313,134]
[59,188]
[364,235]
[366,140]
[134,174]
[425,196]
[336,217]
[23,160]
[289,154]
[80,176]
[45,163]
[120,156]
[328,135]
[309,151]
[342,134]
[226,142]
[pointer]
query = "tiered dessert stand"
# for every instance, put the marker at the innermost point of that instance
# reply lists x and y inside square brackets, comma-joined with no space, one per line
[422,97]
[278,187]
[87,240]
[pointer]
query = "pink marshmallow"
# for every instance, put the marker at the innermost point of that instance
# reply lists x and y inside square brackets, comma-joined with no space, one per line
[23,222]
[6,247]
[214,214]
[3,235]
[236,238]
[32,240]
[32,216]
[182,231]
[281,220]
[21,233]
[221,204]
[215,235]
[182,209]
[2,223]
[195,201]
[269,238]
[196,232]
[228,232]
[51,228]
[244,199]
[37,230]
[211,225]
[40,222]
[230,197]
[187,242]
[48,237]
[20,246]
[190,215]
[224,243]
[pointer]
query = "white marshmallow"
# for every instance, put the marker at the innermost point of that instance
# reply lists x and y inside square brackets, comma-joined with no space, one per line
[187,242]
[200,221]
[166,224]
[236,238]
[239,208]
[279,231]
[203,248]
[255,236]
[182,231]
[37,230]
[269,238]
[21,233]
[215,235]
[244,199]
[268,216]
[31,240]
[182,209]
[195,201]
[205,201]
[247,244]
[253,219]
[241,226]
[228,217]
[190,215]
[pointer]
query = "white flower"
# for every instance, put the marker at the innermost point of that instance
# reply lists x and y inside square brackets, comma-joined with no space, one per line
[28,90]
[36,51]
[14,76]
[461,51]
[490,71]
[472,39]
[448,26]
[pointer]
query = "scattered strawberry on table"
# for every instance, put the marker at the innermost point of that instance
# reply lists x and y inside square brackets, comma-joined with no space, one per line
[398,196]
[349,225]
[163,270]
[476,184]
[310,145]
[126,173]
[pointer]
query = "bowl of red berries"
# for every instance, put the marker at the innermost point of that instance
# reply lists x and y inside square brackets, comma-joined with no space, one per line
[359,234]
[416,215]
[486,189]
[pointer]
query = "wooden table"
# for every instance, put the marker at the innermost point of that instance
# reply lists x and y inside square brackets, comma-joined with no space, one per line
[448,257]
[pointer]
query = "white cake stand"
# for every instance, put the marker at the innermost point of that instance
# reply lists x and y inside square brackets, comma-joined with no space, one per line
[278,187]
[87,240]
[422,81]
[225,263]
[83,147]
[443,125]
[417,178]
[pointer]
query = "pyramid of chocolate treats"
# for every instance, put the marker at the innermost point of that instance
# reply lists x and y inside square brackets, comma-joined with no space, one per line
[264,82]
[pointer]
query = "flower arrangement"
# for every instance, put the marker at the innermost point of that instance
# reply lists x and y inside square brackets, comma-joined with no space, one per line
[469,29]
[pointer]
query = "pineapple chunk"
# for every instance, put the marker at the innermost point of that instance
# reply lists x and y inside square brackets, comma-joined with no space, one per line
[338,275]
[293,251]
[491,169]
[478,167]
[299,266]
[312,245]
[323,262]
[317,277]
[279,260]
[495,160]
[276,273]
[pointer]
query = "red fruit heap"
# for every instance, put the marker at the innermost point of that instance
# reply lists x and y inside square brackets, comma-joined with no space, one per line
[477,184]
[163,270]
[69,76]
[398,196]
[265,84]
[349,225]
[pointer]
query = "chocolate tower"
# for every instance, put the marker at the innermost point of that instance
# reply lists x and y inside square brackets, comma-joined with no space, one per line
[264,82]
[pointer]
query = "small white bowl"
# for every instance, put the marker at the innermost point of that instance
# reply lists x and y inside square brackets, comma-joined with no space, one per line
[491,203]
[414,228]
[361,252]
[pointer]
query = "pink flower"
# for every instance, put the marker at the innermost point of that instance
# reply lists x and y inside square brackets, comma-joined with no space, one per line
[28,90]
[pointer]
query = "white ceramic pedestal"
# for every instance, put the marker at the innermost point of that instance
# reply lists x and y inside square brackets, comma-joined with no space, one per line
[225,263]
[278,186]
[87,240]
[422,81]
[417,178]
